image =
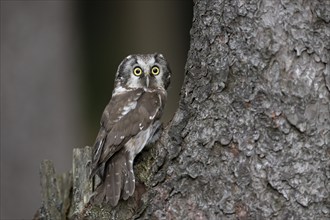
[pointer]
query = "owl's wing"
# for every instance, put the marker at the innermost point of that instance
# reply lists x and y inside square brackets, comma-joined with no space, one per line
[117,108]
[147,110]
[139,112]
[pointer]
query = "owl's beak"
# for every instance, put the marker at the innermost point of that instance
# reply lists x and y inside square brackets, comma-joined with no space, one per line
[147,80]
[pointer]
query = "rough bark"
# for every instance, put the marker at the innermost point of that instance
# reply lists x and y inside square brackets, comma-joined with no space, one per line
[251,138]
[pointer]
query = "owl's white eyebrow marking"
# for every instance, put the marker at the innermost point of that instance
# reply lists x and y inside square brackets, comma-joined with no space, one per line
[146,62]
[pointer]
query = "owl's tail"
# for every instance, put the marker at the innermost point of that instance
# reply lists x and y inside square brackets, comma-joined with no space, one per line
[119,180]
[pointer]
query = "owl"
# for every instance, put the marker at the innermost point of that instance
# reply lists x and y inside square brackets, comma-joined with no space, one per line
[128,123]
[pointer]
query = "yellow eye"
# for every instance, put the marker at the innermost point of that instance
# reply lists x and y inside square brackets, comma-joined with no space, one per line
[137,71]
[155,70]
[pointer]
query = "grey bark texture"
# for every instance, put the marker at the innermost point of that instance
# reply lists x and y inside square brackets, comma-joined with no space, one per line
[251,138]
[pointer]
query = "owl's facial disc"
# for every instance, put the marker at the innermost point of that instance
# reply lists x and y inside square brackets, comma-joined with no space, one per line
[143,71]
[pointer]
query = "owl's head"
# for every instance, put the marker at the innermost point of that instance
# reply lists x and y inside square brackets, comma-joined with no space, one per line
[147,71]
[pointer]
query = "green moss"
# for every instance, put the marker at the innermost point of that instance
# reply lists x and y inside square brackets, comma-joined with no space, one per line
[144,163]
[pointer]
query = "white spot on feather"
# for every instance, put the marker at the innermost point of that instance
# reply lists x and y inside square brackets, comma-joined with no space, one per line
[119,90]
[140,126]
[130,106]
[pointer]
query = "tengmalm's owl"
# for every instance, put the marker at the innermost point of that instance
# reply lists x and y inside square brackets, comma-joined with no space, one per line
[128,122]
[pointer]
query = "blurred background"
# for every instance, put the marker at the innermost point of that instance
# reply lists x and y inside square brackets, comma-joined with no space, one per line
[58,62]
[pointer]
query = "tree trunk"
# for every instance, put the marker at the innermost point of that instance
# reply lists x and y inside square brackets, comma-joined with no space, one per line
[251,138]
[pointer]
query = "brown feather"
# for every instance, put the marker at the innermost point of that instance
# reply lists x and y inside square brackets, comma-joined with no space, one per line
[129,183]
[110,116]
